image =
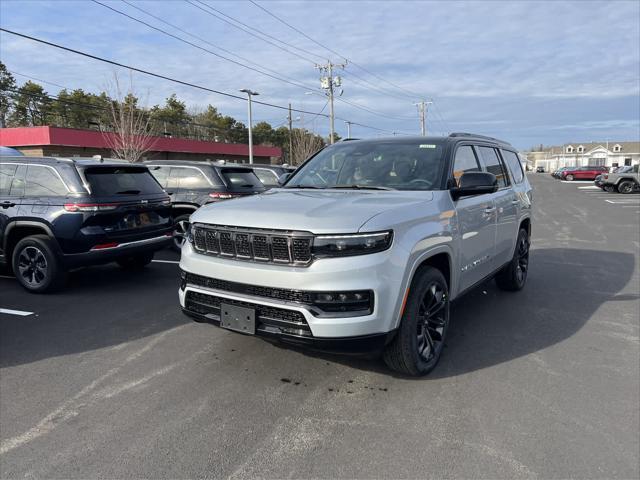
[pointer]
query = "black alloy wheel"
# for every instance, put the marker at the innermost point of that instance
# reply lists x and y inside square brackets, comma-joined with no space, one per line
[432,322]
[32,266]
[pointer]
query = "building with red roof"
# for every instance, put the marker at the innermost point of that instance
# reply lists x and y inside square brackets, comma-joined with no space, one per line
[69,142]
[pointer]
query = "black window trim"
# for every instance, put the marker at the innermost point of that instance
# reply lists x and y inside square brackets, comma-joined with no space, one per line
[496,149]
[513,182]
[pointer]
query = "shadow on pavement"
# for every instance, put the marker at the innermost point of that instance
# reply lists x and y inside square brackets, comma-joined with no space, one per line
[488,326]
[101,307]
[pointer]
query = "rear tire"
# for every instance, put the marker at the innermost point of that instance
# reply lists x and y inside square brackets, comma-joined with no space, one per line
[418,344]
[37,266]
[514,276]
[626,186]
[135,262]
[180,232]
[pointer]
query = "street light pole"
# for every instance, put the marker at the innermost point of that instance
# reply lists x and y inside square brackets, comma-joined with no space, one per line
[348,128]
[249,95]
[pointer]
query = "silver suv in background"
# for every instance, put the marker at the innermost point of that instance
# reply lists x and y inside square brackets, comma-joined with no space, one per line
[364,247]
[624,180]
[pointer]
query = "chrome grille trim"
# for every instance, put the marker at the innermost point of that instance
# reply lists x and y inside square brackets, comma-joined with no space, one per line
[281,247]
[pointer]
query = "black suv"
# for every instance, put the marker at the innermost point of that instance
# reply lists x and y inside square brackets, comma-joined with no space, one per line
[192,184]
[59,213]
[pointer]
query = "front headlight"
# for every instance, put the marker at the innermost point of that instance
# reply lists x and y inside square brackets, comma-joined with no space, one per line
[353,244]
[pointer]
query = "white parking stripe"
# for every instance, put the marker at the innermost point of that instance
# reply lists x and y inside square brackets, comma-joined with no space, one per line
[590,187]
[623,202]
[166,261]
[15,312]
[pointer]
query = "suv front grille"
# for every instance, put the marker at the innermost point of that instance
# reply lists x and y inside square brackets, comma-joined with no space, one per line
[282,247]
[267,318]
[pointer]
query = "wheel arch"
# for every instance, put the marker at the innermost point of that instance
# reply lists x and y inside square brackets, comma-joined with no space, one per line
[20,229]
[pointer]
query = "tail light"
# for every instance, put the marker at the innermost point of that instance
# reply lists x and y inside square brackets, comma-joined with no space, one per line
[605,176]
[102,246]
[89,207]
[223,196]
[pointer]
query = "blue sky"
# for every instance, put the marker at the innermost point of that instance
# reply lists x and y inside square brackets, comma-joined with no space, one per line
[528,72]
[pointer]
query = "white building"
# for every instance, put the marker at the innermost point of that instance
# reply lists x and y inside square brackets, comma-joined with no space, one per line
[610,154]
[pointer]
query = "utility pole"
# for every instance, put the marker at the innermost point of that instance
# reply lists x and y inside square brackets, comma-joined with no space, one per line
[249,95]
[422,109]
[348,128]
[328,83]
[290,136]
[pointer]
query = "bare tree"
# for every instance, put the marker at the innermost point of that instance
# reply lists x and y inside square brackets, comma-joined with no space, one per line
[132,136]
[304,144]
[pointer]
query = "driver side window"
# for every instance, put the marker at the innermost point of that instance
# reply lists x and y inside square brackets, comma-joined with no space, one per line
[465,161]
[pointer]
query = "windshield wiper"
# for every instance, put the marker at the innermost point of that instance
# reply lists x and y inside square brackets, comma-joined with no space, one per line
[306,186]
[128,192]
[362,187]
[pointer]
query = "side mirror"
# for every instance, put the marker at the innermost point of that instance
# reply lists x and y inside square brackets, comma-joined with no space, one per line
[475,183]
[282,179]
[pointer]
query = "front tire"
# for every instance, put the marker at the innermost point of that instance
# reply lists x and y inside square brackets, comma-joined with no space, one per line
[626,186]
[37,266]
[514,276]
[419,341]
[135,262]
[569,178]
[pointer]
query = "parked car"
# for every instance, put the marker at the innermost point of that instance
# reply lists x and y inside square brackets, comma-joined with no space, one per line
[57,214]
[191,184]
[364,247]
[626,180]
[557,173]
[539,169]
[599,180]
[582,173]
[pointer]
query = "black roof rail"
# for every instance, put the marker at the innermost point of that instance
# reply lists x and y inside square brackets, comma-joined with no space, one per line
[348,139]
[466,134]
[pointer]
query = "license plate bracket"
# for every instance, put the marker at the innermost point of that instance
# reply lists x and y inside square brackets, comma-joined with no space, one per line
[237,318]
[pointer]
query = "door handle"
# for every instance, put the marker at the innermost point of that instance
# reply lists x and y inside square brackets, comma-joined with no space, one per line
[489,209]
[515,202]
[7,204]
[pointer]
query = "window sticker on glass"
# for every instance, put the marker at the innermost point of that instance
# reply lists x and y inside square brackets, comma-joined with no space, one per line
[426,145]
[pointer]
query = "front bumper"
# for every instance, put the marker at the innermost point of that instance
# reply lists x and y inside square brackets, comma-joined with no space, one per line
[380,273]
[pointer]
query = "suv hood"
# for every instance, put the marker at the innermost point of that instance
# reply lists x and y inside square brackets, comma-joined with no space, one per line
[323,211]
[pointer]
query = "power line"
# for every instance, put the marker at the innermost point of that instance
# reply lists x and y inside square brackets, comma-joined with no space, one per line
[206,41]
[149,73]
[247,29]
[411,95]
[31,77]
[198,46]
[173,80]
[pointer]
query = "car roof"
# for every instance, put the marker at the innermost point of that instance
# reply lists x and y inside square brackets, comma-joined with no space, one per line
[80,161]
[452,138]
[212,163]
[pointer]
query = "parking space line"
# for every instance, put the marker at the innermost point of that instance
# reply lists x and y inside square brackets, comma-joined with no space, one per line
[20,313]
[590,187]
[623,202]
[166,261]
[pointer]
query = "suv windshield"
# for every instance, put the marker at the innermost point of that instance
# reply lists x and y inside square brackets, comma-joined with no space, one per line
[392,165]
[121,181]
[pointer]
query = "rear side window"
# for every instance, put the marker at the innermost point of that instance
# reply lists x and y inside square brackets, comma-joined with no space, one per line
[465,161]
[121,181]
[267,177]
[240,179]
[493,165]
[515,166]
[7,172]
[43,182]
[161,174]
[183,177]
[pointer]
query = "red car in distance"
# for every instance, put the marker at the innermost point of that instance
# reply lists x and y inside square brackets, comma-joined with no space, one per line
[583,173]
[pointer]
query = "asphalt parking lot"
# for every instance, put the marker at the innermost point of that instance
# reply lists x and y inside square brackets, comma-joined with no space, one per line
[108,379]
